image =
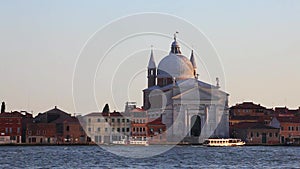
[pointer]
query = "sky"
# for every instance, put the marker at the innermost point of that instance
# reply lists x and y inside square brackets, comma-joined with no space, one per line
[257,42]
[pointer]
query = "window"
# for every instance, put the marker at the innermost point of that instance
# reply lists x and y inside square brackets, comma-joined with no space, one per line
[133,129]
[251,134]
[257,134]
[68,128]
[29,132]
[127,129]
[123,130]
[106,129]
[89,120]
[292,128]
[128,121]
[99,129]
[33,139]
[112,120]
[89,129]
[10,130]
[281,128]
[105,119]
[99,120]
[6,130]
[18,130]
[113,129]
[123,120]
[118,129]
[276,134]
[270,134]
[118,120]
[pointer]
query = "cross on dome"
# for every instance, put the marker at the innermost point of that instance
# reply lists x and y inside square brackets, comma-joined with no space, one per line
[175,35]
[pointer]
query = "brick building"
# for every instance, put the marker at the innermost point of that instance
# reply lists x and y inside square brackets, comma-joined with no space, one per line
[55,127]
[13,126]
[257,133]
[289,129]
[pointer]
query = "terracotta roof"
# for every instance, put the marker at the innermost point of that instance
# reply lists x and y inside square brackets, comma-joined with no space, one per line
[105,114]
[247,105]
[156,122]
[288,119]
[52,116]
[11,114]
[285,110]
[94,114]
[249,125]
[137,110]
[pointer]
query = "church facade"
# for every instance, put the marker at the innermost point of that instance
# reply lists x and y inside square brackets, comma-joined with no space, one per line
[192,110]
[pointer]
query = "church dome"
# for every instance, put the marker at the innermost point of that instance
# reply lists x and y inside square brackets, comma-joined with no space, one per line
[175,66]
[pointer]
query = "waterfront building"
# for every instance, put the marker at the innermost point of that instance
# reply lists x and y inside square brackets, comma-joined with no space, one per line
[139,120]
[192,110]
[289,129]
[143,129]
[257,133]
[13,126]
[55,127]
[106,127]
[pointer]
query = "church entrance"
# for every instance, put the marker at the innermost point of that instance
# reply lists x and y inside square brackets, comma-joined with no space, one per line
[196,126]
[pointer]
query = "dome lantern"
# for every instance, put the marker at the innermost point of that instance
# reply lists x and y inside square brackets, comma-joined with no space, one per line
[175,48]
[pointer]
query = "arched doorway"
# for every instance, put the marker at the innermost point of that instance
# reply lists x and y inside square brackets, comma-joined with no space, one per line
[196,126]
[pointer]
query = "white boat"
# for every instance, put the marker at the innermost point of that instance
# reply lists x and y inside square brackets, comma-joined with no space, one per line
[138,142]
[223,142]
[131,142]
[121,142]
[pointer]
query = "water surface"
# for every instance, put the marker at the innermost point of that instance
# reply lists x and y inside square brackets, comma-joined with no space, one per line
[177,157]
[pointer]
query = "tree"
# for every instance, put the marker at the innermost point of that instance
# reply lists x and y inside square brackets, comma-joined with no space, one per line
[3,107]
[106,108]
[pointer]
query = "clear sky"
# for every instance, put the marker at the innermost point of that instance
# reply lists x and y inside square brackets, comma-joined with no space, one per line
[258,43]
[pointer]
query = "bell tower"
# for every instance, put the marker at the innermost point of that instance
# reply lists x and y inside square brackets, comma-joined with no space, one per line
[151,71]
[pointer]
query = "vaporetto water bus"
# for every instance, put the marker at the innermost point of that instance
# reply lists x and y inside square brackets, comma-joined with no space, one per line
[223,142]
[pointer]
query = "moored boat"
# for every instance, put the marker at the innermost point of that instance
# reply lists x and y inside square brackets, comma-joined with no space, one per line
[223,142]
[131,142]
[138,142]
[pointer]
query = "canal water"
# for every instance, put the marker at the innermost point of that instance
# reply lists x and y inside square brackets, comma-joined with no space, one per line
[176,157]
